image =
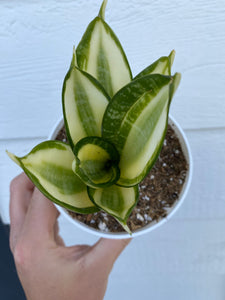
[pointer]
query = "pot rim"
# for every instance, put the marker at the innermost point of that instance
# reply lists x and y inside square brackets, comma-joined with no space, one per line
[153,225]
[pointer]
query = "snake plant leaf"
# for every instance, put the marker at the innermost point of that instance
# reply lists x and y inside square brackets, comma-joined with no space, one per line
[84,102]
[115,200]
[135,121]
[96,162]
[48,165]
[174,85]
[100,54]
[162,66]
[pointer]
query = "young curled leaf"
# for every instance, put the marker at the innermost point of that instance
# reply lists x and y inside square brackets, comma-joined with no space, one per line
[96,162]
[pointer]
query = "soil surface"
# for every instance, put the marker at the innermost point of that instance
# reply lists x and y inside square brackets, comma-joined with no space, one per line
[157,192]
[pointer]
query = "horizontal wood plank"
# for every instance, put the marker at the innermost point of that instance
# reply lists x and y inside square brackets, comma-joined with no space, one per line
[176,285]
[188,246]
[183,259]
[205,199]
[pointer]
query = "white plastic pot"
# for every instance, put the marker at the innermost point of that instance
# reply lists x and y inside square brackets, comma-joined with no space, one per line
[121,235]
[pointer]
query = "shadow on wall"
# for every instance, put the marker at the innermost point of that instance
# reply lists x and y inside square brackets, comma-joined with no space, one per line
[10,287]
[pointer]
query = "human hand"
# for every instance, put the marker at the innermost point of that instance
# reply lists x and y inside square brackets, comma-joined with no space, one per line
[46,268]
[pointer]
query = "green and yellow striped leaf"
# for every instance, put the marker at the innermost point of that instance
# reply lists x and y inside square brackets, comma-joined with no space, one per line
[84,103]
[161,66]
[49,166]
[96,162]
[116,201]
[135,121]
[100,54]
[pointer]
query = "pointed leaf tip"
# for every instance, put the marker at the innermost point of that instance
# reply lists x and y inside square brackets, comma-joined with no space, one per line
[100,54]
[172,56]
[101,13]
[13,157]
[175,83]
[162,66]
[125,227]
[74,58]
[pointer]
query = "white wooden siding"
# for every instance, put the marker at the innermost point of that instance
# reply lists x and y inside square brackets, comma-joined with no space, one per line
[184,259]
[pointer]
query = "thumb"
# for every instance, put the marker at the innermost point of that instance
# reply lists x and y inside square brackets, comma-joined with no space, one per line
[106,251]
